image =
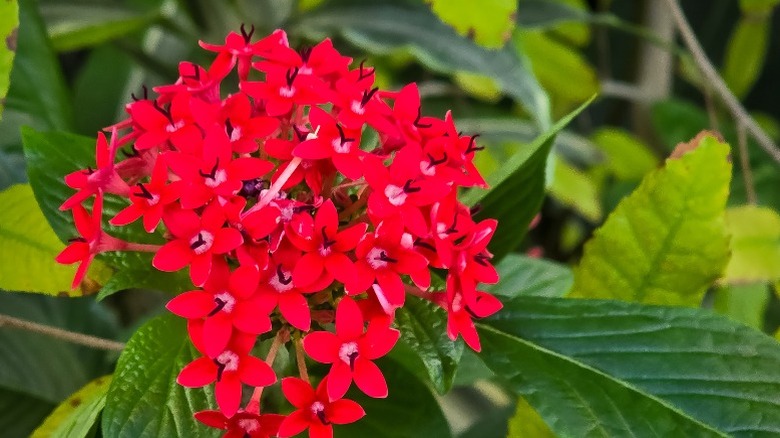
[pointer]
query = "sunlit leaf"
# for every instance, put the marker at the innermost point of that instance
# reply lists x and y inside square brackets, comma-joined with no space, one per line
[745,303]
[755,244]
[489,23]
[9,27]
[78,414]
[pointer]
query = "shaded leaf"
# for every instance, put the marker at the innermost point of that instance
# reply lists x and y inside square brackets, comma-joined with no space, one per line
[576,189]
[20,414]
[666,242]
[755,244]
[517,190]
[526,276]
[545,13]
[77,415]
[144,399]
[746,52]
[625,155]
[668,371]
[423,327]
[489,23]
[384,28]
[526,423]
[745,303]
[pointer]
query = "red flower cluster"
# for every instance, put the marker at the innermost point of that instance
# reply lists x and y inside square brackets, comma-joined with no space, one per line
[307,197]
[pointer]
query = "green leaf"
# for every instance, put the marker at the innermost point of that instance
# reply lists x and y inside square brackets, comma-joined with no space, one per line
[28,247]
[625,155]
[100,90]
[410,410]
[489,23]
[746,52]
[423,327]
[38,95]
[384,28]
[20,414]
[574,188]
[745,303]
[144,399]
[527,276]
[545,14]
[526,423]
[47,368]
[758,6]
[666,242]
[755,244]
[517,190]
[612,368]
[78,414]
[80,25]
[9,24]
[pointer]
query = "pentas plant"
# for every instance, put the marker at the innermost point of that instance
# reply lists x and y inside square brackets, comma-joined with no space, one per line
[291,220]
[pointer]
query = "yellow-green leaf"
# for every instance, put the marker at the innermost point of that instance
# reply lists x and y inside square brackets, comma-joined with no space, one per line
[755,244]
[480,86]
[9,23]
[488,22]
[625,155]
[746,52]
[572,187]
[526,423]
[75,417]
[28,247]
[758,6]
[666,242]
[744,303]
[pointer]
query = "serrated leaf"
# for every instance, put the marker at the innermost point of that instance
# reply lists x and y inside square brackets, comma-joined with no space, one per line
[745,303]
[423,329]
[517,190]
[489,23]
[77,26]
[9,24]
[610,368]
[746,53]
[410,410]
[20,414]
[144,399]
[382,28]
[526,276]
[28,247]
[666,242]
[45,367]
[78,414]
[755,244]
[526,423]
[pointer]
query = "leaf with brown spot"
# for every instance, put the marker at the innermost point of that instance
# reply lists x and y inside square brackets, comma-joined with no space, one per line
[489,23]
[78,414]
[686,146]
[9,26]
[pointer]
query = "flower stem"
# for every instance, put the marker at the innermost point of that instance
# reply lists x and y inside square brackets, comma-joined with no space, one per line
[142,247]
[58,333]
[301,360]
[254,403]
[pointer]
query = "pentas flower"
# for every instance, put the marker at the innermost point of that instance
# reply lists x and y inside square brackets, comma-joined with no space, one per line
[352,350]
[315,410]
[229,370]
[290,222]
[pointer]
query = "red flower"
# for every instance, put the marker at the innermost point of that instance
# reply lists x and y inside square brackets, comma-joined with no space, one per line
[197,240]
[150,199]
[103,179]
[229,369]
[351,351]
[282,90]
[386,255]
[340,145]
[315,411]
[243,424]
[238,49]
[157,125]
[224,304]
[325,249]
[460,313]
[279,290]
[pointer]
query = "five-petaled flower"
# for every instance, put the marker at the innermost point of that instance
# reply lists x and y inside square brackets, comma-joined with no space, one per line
[315,410]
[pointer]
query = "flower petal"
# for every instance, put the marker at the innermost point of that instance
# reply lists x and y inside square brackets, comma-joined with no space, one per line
[307,270]
[299,393]
[294,423]
[322,346]
[345,412]
[295,310]
[192,304]
[368,377]
[228,394]
[349,320]
[256,372]
[197,373]
[217,330]
[339,379]
[173,256]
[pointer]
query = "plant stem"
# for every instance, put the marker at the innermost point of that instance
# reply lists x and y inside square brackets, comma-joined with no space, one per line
[301,360]
[58,333]
[718,85]
[254,403]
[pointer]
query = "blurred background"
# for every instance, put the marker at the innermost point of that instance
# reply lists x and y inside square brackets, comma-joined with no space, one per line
[77,63]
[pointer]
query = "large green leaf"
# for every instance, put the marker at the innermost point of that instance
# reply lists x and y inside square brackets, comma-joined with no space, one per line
[51,156]
[80,25]
[517,190]
[20,414]
[527,276]
[755,244]
[44,367]
[423,327]
[489,23]
[78,414]
[384,28]
[28,247]
[410,410]
[666,242]
[610,368]
[144,399]
[9,24]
